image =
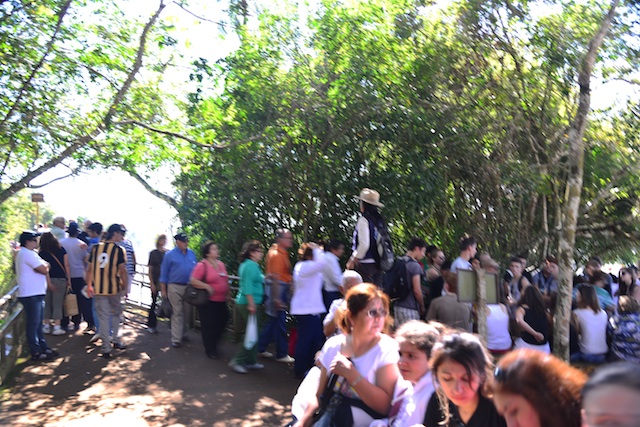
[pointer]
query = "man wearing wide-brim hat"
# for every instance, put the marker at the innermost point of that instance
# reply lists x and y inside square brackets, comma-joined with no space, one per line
[365,258]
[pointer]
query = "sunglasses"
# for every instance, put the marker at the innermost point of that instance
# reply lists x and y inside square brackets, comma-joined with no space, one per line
[377,313]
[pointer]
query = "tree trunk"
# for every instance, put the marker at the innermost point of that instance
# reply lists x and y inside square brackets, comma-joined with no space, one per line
[571,207]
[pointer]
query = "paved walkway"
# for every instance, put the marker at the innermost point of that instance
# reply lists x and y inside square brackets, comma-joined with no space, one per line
[148,384]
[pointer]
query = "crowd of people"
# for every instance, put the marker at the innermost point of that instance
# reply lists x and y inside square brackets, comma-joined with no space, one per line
[362,358]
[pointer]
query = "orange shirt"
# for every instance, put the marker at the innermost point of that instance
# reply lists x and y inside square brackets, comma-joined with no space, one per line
[279,264]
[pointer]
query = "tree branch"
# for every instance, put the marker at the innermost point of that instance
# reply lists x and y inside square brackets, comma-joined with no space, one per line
[170,200]
[218,146]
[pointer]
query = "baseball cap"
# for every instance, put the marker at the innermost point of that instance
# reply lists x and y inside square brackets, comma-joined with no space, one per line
[116,228]
[28,235]
[96,227]
[73,228]
[182,237]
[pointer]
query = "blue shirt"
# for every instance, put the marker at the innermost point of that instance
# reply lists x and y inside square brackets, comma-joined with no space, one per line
[177,266]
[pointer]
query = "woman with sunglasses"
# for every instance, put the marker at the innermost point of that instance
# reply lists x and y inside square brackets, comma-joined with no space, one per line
[463,373]
[534,389]
[364,359]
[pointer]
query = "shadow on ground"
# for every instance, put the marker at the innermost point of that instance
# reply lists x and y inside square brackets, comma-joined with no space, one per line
[148,384]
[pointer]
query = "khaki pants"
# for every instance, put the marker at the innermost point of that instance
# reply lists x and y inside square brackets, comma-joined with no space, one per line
[181,312]
[109,309]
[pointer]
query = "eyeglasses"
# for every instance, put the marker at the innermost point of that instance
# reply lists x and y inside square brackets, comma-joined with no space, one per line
[377,313]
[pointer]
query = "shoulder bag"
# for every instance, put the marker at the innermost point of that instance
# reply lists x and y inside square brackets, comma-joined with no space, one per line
[196,296]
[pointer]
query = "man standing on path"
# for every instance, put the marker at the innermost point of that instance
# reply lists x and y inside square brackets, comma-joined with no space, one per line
[175,273]
[106,278]
[278,271]
[468,249]
[77,254]
[412,306]
[31,274]
[332,273]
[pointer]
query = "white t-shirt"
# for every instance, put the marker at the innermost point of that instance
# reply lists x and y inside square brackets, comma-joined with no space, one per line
[307,283]
[331,315]
[30,282]
[593,331]
[460,264]
[76,256]
[332,273]
[382,354]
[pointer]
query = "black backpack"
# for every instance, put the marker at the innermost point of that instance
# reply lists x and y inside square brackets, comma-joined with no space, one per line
[384,249]
[394,282]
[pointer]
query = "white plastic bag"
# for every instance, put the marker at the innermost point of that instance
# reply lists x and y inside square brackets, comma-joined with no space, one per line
[251,335]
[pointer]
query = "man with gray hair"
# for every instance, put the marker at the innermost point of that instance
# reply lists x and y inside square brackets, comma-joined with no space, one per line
[57,229]
[350,278]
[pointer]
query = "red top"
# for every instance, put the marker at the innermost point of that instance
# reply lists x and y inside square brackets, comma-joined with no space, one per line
[216,278]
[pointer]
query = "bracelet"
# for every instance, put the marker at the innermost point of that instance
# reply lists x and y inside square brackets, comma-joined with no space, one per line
[357,381]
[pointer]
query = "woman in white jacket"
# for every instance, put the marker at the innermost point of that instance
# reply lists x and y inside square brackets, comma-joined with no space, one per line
[307,306]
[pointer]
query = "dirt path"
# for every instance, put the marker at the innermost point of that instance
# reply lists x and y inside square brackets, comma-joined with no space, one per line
[149,384]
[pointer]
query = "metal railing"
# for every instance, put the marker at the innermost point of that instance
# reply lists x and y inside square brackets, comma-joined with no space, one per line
[140,292]
[12,332]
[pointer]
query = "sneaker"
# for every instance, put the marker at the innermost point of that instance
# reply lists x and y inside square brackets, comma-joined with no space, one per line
[119,346]
[266,354]
[94,338]
[254,366]
[57,330]
[238,369]
[176,345]
[152,331]
[286,359]
[46,329]
[51,352]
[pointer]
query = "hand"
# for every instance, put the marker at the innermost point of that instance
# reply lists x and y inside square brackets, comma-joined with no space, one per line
[90,291]
[210,290]
[351,263]
[164,294]
[539,337]
[341,365]
[252,308]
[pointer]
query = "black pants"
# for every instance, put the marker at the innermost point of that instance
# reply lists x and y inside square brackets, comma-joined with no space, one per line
[85,305]
[152,320]
[213,320]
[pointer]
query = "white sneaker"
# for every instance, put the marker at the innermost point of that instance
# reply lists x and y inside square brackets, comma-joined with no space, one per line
[238,368]
[266,355]
[46,329]
[286,359]
[57,330]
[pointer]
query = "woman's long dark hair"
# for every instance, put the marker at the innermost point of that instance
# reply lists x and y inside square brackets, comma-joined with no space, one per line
[533,299]
[49,243]
[372,215]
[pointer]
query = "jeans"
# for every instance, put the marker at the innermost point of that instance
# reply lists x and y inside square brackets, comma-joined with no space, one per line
[310,340]
[275,330]
[214,316]
[34,313]
[588,358]
[109,309]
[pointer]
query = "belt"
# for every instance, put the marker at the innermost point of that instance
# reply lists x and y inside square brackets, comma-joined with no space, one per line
[179,284]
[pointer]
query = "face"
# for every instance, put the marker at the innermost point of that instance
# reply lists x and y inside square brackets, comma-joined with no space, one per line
[461,389]
[370,320]
[162,242]
[182,245]
[31,244]
[439,258]
[516,410]
[257,255]
[516,268]
[213,252]
[474,250]
[413,363]
[625,276]
[611,406]
[286,241]
[475,263]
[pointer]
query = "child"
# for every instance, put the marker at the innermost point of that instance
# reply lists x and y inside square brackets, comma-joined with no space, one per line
[414,389]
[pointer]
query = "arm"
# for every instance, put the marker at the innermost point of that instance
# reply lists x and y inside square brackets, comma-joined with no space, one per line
[164,275]
[152,284]
[122,272]
[197,283]
[67,270]
[42,269]
[377,396]
[526,327]
[314,401]
[89,279]
[364,242]
[417,292]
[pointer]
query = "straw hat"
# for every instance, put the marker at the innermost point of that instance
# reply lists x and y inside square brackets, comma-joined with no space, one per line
[370,196]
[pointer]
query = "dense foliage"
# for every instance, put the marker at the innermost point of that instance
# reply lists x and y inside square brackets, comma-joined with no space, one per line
[459,116]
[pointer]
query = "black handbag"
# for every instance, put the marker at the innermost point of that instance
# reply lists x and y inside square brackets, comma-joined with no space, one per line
[196,296]
[325,398]
[165,310]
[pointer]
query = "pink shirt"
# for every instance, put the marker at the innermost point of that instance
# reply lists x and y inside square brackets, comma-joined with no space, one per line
[217,279]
